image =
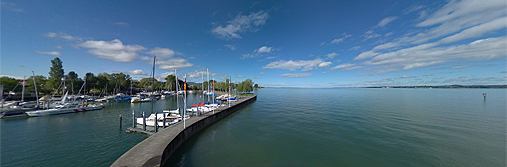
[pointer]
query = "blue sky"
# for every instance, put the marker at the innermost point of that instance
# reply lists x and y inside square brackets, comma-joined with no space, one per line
[274,43]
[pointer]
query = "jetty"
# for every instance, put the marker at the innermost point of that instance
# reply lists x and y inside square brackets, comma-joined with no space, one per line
[156,149]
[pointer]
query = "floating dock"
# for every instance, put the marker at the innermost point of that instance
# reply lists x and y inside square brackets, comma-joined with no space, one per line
[156,149]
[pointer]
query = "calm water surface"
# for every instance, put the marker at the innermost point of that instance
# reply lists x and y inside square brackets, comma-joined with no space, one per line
[288,127]
[357,127]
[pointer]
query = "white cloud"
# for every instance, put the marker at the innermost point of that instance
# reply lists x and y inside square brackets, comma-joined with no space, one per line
[477,31]
[365,55]
[241,24]
[307,65]
[340,40]
[247,55]
[355,48]
[63,36]
[112,50]
[264,49]
[258,53]
[162,52]
[173,63]
[58,47]
[325,64]
[428,55]
[404,77]
[386,21]
[137,72]
[11,7]
[332,55]
[262,73]
[240,76]
[53,53]
[342,66]
[298,75]
[255,78]
[232,47]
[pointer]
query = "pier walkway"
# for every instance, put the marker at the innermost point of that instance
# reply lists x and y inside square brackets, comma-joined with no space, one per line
[156,149]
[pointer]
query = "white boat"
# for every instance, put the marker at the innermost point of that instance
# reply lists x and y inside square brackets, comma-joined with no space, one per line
[159,118]
[64,109]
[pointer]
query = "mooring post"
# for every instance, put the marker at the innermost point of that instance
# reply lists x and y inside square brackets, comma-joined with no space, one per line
[156,121]
[144,121]
[164,120]
[484,94]
[133,118]
[120,120]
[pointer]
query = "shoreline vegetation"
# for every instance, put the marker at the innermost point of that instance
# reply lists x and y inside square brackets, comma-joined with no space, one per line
[104,84]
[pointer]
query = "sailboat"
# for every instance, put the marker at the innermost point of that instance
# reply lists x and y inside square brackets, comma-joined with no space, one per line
[168,116]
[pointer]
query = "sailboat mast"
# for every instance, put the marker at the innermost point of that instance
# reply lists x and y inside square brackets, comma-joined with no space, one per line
[207,73]
[185,100]
[177,99]
[23,90]
[35,86]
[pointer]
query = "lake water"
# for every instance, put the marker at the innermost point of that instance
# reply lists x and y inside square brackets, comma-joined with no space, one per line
[357,127]
[288,127]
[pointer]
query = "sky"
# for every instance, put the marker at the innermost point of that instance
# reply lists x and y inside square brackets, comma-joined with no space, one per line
[346,43]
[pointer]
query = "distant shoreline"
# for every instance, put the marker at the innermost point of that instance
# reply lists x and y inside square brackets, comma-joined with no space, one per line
[444,86]
[416,87]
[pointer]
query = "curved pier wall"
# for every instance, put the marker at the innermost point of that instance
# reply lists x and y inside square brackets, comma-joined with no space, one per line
[156,149]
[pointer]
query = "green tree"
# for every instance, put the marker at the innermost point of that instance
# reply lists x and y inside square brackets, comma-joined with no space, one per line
[120,80]
[245,86]
[73,82]
[41,81]
[91,83]
[56,73]
[103,82]
[9,84]
[170,80]
[256,86]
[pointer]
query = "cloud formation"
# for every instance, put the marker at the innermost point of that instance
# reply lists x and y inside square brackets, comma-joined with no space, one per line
[306,65]
[137,72]
[386,21]
[112,50]
[53,53]
[163,52]
[264,49]
[173,63]
[455,22]
[232,47]
[63,36]
[346,66]
[241,23]
[298,75]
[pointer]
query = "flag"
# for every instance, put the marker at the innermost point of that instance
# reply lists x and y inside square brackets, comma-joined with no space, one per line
[185,85]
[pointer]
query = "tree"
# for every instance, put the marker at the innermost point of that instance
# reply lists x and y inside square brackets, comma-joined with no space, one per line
[10,83]
[73,82]
[245,86]
[56,73]
[41,81]
[91,82]
[170,80]
[120,80]
[256,86]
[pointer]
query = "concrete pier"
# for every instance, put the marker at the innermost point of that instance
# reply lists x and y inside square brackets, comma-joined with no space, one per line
[156,149]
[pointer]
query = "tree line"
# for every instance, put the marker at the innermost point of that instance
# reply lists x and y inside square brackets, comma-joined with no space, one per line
[104,83]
